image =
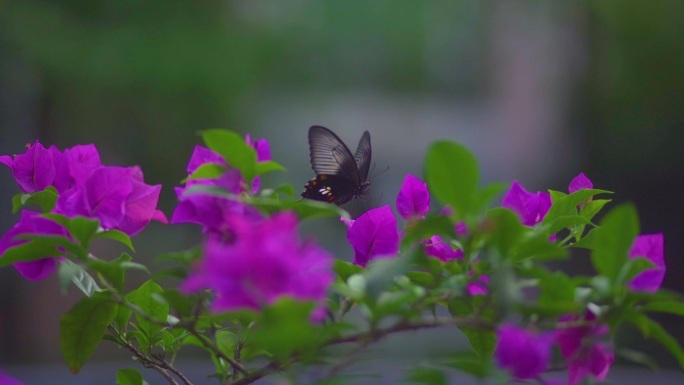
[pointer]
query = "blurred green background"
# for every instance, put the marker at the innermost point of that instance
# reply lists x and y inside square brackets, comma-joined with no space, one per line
[539,90]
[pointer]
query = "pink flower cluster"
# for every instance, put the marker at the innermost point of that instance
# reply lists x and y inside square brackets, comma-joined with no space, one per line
[533,207]
[116,196]
[526,354]
[375,235]
[249,260]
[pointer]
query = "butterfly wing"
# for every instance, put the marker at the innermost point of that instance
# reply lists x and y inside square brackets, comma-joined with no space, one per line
[329,188]
[363,156]
[330,156]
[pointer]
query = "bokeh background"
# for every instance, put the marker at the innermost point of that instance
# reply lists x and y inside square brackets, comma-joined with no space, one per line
[538,90]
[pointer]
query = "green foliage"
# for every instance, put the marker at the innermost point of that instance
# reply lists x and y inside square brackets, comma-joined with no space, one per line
[45,199]
[83,327]
[284,328]
[150,312]
[452,175]
[409,291]
[427,376]
[611,242]
[234,150]
[129,377]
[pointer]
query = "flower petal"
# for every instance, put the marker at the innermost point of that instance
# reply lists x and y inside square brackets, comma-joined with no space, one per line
[374,234]
[580,182]
[413,200]
[651,247]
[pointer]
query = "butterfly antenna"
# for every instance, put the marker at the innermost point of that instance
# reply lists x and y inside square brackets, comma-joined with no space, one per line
[382,172]
[380,199]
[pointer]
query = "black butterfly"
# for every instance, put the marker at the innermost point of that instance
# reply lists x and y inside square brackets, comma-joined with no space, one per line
[339,175]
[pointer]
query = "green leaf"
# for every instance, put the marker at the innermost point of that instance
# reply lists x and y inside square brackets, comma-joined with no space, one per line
[129,377]
[123,315]
[481,341]
[452,175]
[143,297]
[470,363]
[82,328]
[380,273]
[181,303]
[83,229]
[207,171]
[226,342]
[72,272]
[556,195]
[506,229]
[185,257]
[421,278]
[113,271]
[268,166]
[116,235]
[651,329]
[45,199]
[613,240]
[345,269]
[638,358]
[427,376]
[284,328]
[567,205]
[284,189]
[304,208]
[566,222]
[557,294]
[536,245]
[672,307]
[432,225]
[485,196]
[631,269]
[590,209]
[43,247]
[233,148]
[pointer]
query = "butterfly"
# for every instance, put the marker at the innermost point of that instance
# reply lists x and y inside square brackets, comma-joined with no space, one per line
[340,176]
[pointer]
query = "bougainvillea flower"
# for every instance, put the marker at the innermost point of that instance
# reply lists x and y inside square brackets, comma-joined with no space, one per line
[479,286]
[530,207]
[213,212]
[523,353]
[438,248]
[461,228]
[32,223]
[651,247]
[102,195]
[140,205]
[265,262]
[116,196]
[33,170]
[5,379]
[81,161]
[580,182]
[584,359]
[202,155]
[413,200]
[263,150]
[374,234]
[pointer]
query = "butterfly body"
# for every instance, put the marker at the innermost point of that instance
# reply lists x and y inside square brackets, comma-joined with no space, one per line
[340,176]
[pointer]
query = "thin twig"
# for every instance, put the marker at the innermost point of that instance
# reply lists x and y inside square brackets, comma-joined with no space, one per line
[236,365]
[258,374]
[404,325]
[346,361]
[160,366]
